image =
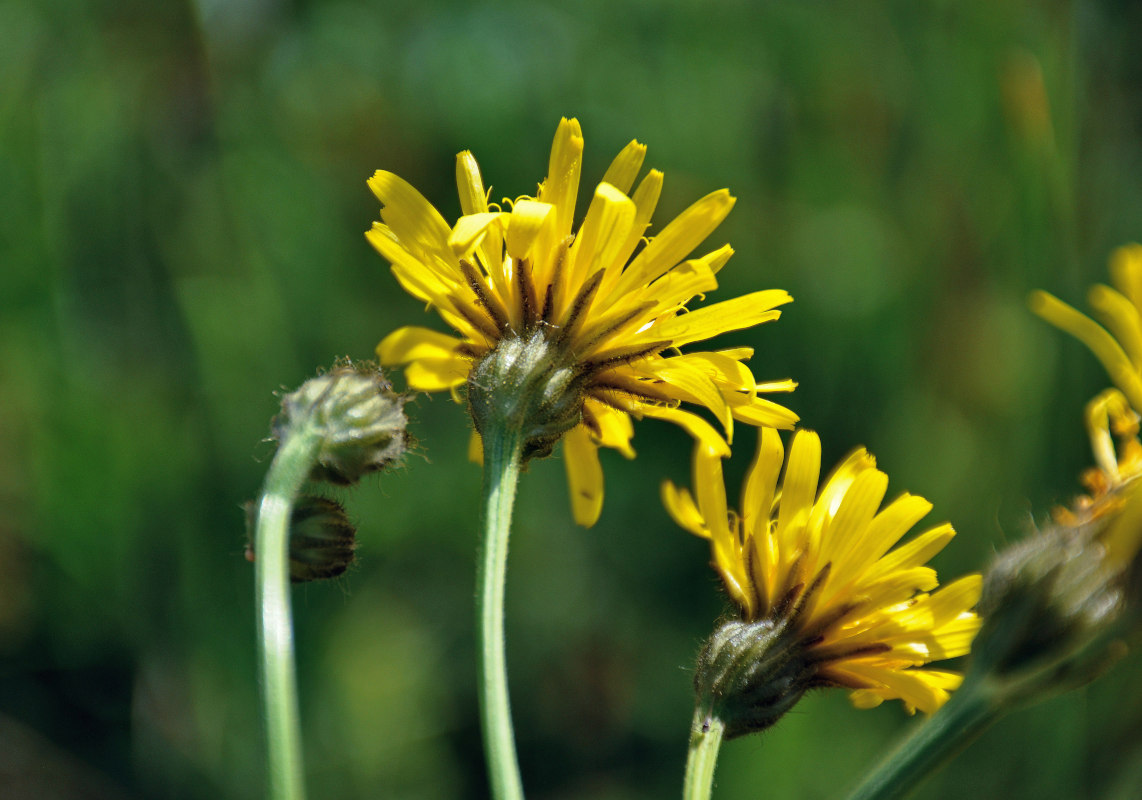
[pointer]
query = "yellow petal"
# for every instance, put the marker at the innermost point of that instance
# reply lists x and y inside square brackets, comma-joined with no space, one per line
[1126,271]
[470,184]
[414,220]
[434,375]
[602,233]
[584,476]
[624,169]
[783,385]
[849,528]
[470,229]
[1086,330]
[424,267]
[474,200]
[729,315]
[682,509]
[1121,316]
[615,428]
[561,187]
[762,412]
[678,239]
[760,486]
[916,552]
[799,485]
[691,383]
[411,343]
[645,198]
[697,427]
[476,448]
[527,220]
[677,287]
[729,374]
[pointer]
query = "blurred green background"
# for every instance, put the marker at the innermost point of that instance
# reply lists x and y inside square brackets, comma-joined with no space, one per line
[181,215]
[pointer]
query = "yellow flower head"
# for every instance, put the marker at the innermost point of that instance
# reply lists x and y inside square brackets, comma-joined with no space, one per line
[602,309]
[819,568]
[1120,310]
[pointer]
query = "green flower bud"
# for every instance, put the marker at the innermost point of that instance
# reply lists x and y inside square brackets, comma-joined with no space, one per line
[322,541]
[524,384]
[1044,602]
[360,418]
[750,674]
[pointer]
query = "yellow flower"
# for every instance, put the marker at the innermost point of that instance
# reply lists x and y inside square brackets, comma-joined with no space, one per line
[819,567]
[604,308]
[1120,309]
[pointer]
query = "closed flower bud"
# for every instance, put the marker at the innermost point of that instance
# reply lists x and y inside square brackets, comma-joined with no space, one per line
[360,418]
[322,541]
[1044,602]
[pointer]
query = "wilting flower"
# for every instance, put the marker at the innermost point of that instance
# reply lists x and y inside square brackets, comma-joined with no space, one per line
[823,598]
[594,319]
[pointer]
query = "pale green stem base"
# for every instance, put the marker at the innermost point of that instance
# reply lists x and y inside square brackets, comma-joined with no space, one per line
[973,707]
[288,472]
[501,476]
[705,741]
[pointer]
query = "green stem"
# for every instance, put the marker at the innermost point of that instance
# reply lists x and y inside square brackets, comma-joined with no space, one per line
[502,449]
[288,472]
[973,707]
[705,741]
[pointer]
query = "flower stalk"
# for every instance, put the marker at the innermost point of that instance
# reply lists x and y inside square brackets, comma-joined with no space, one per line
[336,427]
[706,732]
[287,474]
[503,448]
[973,708]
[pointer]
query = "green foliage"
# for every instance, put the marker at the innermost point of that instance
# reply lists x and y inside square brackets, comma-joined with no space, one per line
[181,234]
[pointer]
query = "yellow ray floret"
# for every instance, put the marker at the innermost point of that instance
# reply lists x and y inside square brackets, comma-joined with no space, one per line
[826,562]
[608,300]
[1120,310]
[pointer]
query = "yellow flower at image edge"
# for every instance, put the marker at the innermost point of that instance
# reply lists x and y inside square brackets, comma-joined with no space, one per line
[599,313]
[1120,309]
[816,573]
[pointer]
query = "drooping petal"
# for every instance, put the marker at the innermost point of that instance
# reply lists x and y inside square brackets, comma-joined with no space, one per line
[584,476]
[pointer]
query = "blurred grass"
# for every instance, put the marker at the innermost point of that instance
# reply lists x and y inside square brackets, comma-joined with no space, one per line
[181,234]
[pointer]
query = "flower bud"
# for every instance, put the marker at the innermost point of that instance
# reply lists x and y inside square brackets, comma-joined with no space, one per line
[522,384]
[322,541]
[750,674]
[1044,601]
[360,418]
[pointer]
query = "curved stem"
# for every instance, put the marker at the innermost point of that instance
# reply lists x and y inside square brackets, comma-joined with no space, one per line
[705,741]
[288,472]
[973,707]
[502,449]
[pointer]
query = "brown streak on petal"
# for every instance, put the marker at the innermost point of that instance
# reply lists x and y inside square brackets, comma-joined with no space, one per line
[479,322]
[490,302]
[825,623]
[614,397]
[803,600]
[529,302]
[582,301]
[472,351]
[610,330]
[588,421]
[641,389]
[555,280]
[825,655]
[624,355]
